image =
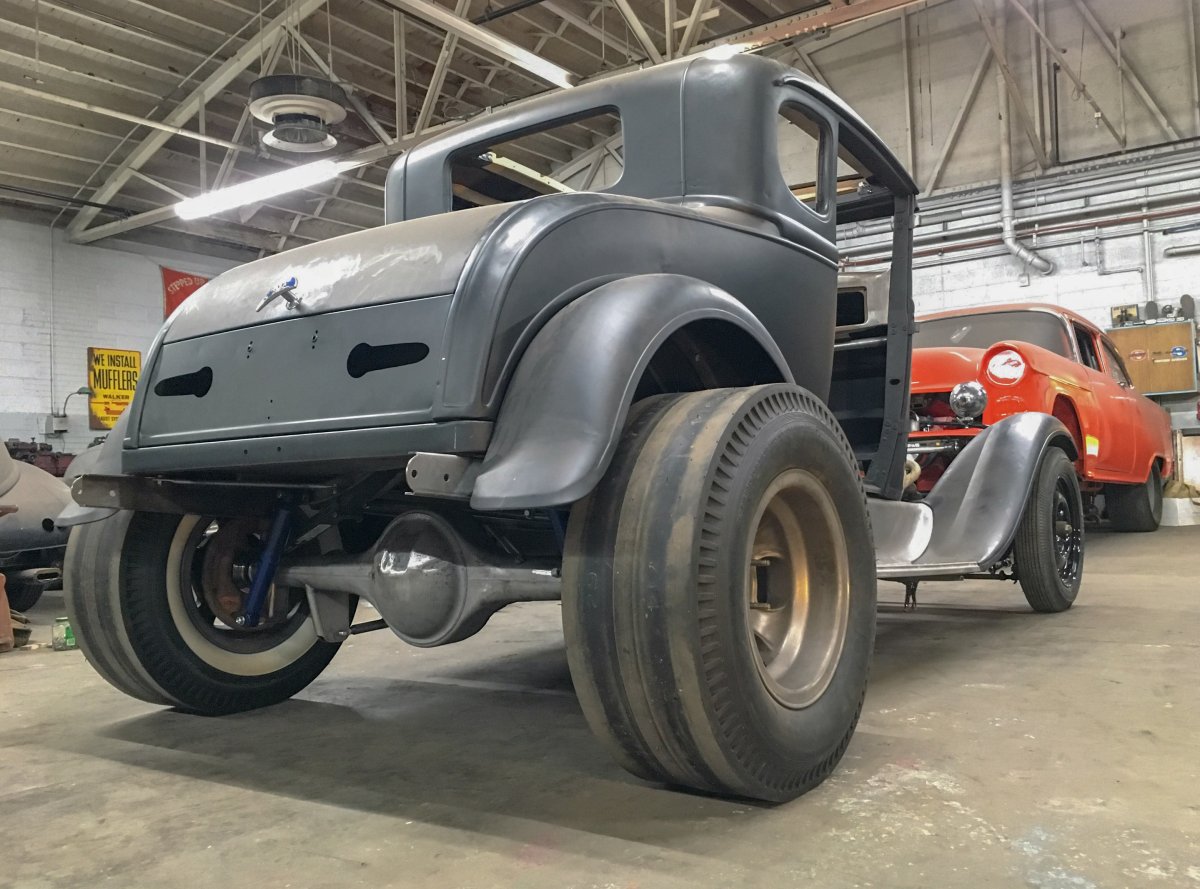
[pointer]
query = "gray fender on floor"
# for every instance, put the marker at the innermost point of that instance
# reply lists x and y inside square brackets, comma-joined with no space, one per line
[978,502]
[566,404]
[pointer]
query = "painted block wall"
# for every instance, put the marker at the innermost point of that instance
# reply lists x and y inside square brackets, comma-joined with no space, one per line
[1076,283]
[56,300]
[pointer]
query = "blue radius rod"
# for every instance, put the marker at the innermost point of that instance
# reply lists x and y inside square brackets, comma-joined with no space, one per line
[268,562]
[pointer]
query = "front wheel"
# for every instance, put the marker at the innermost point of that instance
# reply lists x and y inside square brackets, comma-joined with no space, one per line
[1048,550]
[154,599]
[719,593]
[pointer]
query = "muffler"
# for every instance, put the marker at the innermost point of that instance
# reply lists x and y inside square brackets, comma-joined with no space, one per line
[429,584]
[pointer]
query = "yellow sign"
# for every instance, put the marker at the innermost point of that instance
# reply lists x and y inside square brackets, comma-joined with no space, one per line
[112,376]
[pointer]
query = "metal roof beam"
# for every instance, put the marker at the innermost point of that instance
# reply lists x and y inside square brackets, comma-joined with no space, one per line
[484,39]
[1014,89]
[438,80]
[587,27]
[167,129]
[1123,63]
[691,31]
[639,30]
[351,95]
[1066,69]
[212,85]
[837,13]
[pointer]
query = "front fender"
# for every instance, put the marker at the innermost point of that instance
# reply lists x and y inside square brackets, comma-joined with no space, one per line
[565,406]
[978,501]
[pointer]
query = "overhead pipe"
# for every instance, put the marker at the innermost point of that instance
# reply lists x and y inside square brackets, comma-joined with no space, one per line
[1050,223]
[1042,194]
[944,250]
[1007,213]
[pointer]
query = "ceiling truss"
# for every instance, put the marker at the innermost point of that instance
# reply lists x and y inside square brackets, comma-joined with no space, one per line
[133,106]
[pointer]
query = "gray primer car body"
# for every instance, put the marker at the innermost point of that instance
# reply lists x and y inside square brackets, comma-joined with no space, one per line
[516,336]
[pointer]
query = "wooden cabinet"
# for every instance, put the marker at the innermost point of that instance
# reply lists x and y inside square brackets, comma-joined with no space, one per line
[1160,358]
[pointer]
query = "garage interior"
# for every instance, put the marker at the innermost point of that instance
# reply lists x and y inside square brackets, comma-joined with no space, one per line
[1056,145]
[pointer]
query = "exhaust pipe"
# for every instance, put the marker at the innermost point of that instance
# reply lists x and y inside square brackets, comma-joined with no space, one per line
[430,585]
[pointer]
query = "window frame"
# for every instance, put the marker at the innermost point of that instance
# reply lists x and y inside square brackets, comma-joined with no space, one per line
[1082,334]
[1112,358]
[826,138]
[454,158]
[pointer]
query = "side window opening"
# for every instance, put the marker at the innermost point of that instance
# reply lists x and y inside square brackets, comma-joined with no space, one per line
[1087,347]
[585,153]
[801,142]
[1116,367]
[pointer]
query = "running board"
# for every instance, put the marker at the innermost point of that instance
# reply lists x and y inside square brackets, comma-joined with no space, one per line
[949,570]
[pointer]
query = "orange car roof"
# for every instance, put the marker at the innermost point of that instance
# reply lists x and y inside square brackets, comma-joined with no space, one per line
[1013,307]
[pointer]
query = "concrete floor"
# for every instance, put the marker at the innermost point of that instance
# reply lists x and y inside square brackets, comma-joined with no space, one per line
[997,748]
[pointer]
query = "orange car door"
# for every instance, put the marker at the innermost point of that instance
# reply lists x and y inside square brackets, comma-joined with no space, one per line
[1131,407]
[1104,428]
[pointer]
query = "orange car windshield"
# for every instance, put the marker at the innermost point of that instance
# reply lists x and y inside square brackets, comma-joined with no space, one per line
[980,331]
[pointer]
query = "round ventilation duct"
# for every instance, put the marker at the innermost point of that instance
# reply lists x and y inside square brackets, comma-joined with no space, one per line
[299,109]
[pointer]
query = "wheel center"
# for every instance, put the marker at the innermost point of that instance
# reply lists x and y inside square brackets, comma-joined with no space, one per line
[230,551]
[797,588]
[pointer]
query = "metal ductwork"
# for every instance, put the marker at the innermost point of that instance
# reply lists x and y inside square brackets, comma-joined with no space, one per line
[1007,213]
[300,111]
[430,585]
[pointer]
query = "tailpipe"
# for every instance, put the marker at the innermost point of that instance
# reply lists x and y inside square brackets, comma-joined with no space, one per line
[430,585]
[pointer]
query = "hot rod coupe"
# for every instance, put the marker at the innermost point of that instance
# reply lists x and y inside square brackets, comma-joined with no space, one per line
[973,367]
[651,399]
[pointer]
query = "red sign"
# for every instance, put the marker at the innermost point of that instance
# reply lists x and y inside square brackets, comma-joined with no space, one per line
[178,286]
[1137,355]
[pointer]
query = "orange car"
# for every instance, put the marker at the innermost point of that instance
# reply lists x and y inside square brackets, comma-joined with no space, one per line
[973,367]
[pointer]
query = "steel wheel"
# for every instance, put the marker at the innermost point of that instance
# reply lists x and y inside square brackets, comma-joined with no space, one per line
[1068,534]
[154,601]
[1048,549]
[719,593]
[799,589]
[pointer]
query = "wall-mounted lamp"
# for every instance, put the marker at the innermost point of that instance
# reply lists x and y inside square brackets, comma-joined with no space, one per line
[57,424]
[82,390]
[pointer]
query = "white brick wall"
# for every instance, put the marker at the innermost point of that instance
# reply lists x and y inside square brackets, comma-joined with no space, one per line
[56,300]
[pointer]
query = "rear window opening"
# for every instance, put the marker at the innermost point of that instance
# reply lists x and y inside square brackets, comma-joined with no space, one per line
[801,140]
[582,154]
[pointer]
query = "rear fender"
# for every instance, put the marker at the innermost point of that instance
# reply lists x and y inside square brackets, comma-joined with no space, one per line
[565,406]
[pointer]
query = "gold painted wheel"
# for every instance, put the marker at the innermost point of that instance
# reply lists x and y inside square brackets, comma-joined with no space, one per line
[798,585]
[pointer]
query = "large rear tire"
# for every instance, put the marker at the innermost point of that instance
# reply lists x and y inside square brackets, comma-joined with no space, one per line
[1048,549]
[1136,507]
[150,618]
[719,593]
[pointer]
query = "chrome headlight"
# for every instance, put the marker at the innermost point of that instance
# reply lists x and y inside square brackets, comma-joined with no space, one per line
[968,400]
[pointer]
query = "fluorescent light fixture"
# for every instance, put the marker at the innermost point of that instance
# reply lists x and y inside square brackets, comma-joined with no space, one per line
[543,68]
[260,189]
